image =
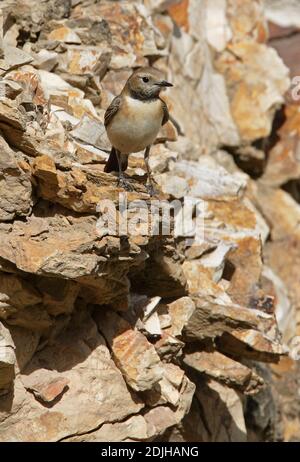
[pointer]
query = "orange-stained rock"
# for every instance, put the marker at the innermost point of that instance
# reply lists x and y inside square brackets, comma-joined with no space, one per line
[245,66]
[134,355]
[179,13]
[283,163]
[79,356]
[15,185]
[49,389]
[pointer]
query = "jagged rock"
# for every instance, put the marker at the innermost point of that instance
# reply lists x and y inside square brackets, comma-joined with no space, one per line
[133,429]
[80,189]
[91,132]
[266,424]
[159,5]
[283,257]
[38,255]
[224,369]
[10,88]
[15,185]
[180,312]
[148,322]
[76,356]
[34,317]
[45,60]
[22,120]
[285,311]
[251,53]
[11,115]
[210,320]
[164,274]
[247,268]
[283,164]
[64,34]
[16,295]
[223,120]
[51,387]
[168,347]
[218,31]
[160,418]
[253,345]
[284,23]
[213,400]
[216,399]
[7,360]
[14,58]
[280,210]
[252,332]
[167,390]
[284,13]
[209,180]
[134,355]
[59,295]
[200,280]
[26,343]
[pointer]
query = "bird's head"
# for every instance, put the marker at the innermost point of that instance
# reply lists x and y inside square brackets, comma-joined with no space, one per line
[146,83]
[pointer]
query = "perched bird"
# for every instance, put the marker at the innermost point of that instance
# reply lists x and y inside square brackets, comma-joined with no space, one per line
[133,120]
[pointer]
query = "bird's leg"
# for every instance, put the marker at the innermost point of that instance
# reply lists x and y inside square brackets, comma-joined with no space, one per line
[150,187]
[122,181]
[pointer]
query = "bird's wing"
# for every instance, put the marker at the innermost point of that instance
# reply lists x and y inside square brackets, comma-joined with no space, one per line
[112,110]
[166,115]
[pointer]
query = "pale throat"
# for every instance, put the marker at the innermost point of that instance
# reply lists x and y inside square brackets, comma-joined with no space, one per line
[150,108]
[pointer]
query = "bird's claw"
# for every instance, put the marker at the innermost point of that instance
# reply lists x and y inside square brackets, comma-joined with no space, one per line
[123,183]
[151,190]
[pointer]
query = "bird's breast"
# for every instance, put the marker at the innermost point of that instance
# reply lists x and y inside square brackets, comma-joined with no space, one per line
[136,125]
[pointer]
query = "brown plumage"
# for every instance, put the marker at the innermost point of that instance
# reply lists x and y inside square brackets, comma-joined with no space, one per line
[134,118]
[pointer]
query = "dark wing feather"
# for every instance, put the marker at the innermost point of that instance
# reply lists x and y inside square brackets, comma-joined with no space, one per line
[166,112]
[112,110]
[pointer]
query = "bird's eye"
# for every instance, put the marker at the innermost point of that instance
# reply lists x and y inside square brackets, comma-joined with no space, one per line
[146,79]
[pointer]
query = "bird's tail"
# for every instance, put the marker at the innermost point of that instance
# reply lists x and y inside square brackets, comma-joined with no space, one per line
[112,164]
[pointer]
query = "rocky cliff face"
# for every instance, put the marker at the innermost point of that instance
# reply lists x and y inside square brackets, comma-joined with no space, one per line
[138,336]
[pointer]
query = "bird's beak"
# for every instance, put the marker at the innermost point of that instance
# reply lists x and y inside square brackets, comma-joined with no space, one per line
[164,83]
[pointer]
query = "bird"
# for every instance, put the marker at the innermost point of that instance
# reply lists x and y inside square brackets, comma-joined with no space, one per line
[133,120]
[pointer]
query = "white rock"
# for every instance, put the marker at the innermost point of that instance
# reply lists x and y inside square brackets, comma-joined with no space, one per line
[218,32]
[285,311]
[7,358]
[209,182]
[152,325]
[284,13]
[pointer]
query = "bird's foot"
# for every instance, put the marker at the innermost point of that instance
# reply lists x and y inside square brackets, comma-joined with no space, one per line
[151,190]
[125,184]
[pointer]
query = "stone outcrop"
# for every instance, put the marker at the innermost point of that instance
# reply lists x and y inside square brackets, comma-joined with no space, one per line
[113,335]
